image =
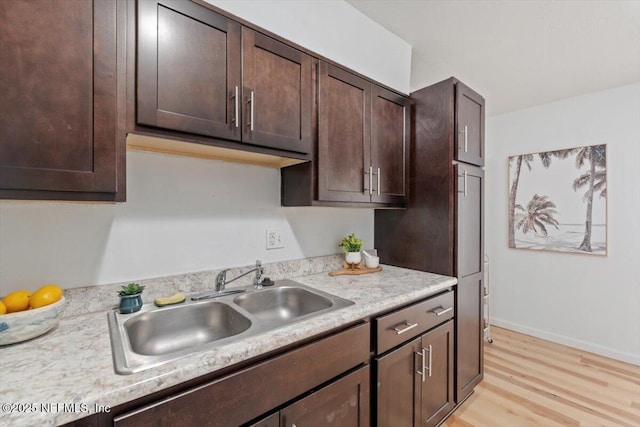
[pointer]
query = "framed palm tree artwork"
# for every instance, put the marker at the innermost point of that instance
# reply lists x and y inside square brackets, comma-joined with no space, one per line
[558,200]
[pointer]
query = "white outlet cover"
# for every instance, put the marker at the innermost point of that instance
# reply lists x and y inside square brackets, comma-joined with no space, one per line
[274,238]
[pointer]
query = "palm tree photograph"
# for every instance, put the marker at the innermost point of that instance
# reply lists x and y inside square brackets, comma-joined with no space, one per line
[558,200]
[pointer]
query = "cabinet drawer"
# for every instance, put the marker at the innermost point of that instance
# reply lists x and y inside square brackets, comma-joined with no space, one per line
[402,325]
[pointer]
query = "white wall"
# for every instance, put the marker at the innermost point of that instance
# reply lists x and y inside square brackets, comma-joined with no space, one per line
[589,302]
[185,214]
[182,214]
[336,30]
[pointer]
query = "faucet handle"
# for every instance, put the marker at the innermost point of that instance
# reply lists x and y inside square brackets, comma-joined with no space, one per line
[259,272]
[221,279]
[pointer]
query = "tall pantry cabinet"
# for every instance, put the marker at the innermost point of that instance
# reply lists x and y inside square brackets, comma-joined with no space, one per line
[442,230]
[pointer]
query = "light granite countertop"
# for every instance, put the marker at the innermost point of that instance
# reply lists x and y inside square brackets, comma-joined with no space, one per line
[68,373]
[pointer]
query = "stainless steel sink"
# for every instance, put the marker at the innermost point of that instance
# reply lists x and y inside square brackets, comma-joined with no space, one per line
[283,303]
[176,328]
[157,335]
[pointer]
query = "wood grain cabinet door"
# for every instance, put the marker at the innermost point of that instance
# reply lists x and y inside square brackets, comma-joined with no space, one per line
[188,75]
[437,387]
[398,389]
[344,136]
[469,124]
[343,403]
[389,146]
[277,94]
[58,97]
[470,274]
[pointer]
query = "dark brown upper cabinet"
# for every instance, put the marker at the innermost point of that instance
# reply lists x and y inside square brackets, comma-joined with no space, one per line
[362,156]
[61,133]
[277,94]
[469,123]
[199,72]
[344,137]
[389,146]
[188,69]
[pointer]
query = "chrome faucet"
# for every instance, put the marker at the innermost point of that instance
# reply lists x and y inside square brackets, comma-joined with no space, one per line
[221,278]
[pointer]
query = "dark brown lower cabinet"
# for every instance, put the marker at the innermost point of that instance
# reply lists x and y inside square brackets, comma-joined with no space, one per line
[415,381]
[470,335]
[343,403]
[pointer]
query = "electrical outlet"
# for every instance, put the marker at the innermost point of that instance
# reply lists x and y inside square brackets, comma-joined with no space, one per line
[274,238]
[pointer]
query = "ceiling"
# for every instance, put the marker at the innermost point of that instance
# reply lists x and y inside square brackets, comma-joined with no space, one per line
[517,54]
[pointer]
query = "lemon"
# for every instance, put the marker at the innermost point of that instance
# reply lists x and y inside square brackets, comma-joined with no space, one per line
[3,308]
[17,301]
[48,294]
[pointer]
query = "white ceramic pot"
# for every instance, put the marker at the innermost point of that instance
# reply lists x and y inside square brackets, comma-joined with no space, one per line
[353,257]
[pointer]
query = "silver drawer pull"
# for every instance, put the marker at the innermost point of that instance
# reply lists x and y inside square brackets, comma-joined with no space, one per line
[441,310]
[408,327]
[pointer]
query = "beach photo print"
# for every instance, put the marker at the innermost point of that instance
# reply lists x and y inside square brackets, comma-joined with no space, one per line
[558,200]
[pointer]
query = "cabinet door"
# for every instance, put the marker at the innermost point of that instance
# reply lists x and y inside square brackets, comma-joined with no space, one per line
[277,94]
[344,138]
[389,146]
[398,390]
[344,403]
[58,97]
[437,385]
[469,239]
[188,69]
[469,125]
[470,258]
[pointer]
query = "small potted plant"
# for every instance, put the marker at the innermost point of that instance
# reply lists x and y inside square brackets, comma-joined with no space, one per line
[352,246]
[130,298]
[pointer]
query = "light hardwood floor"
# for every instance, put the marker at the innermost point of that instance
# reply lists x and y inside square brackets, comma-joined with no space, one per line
[532,382]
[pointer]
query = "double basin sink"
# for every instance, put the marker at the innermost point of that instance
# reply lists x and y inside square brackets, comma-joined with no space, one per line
[156,335]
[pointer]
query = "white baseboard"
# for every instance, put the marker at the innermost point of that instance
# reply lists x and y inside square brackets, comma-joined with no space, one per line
[568,341]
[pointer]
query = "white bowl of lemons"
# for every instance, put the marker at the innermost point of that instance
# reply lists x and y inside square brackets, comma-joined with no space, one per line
[24,315]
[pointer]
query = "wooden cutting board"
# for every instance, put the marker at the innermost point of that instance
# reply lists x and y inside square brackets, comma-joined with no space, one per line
[357,269]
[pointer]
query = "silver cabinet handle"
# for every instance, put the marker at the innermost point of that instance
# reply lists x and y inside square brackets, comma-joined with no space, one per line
[235,99]
[429,368]
[378,181]
[364,183]
[441,310]
[408,325]
[422,368]
[465,138]
[465,131]
[464,175]
[370,180]
[251,101]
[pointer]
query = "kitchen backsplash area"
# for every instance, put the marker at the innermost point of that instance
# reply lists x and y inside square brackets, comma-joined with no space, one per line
[104,297]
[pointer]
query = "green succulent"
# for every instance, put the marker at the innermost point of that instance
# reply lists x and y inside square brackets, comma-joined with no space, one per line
[351,243]
[131,289]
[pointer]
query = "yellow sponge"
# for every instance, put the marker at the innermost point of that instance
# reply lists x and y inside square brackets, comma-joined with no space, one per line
[174,299]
